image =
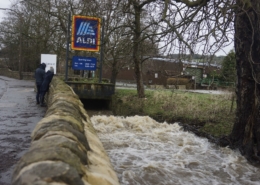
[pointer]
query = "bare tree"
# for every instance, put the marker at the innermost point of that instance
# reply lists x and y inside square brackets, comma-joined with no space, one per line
[245,134]
[44,27]
[194,26]
[246,130]
[37,29]
[117,54]
[10,40]
[143,25]
[117,50]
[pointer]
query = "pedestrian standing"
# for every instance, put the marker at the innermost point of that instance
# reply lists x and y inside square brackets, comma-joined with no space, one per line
[39,76]
[45,85]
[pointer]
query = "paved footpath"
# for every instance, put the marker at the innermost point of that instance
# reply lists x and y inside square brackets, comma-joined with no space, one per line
[18,116]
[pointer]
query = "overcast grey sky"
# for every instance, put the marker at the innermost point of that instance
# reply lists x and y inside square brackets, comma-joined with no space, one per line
[4,4]
[8,3]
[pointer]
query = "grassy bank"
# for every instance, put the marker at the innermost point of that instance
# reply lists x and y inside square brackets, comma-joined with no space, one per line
[210,113]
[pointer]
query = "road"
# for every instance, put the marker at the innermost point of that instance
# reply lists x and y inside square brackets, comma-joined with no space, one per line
[18,116]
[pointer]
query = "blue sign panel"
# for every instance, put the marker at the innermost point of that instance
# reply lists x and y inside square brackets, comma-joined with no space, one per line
[85,33]
[84,63]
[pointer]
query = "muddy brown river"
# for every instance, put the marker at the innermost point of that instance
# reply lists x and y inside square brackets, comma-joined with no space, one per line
[145,152]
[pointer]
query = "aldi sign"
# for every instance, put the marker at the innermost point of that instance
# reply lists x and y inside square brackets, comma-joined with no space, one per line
[85,33]
[84,63]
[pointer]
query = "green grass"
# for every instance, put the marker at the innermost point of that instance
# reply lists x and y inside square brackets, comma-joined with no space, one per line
[211,113]
[86,80]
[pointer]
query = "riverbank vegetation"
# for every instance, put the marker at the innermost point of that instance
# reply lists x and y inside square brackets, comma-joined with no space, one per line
[208,113]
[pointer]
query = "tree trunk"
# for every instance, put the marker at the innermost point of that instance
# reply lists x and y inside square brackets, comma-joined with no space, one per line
[139,79]
[136,52]
[114,74]
[246,130]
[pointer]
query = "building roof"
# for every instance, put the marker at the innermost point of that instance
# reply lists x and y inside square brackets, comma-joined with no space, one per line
[191,63]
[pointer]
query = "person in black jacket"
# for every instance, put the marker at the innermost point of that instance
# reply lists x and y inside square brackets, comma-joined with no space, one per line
[39,75]
[45,85]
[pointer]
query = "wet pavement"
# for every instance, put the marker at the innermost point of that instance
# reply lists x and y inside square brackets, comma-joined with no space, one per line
[18,116]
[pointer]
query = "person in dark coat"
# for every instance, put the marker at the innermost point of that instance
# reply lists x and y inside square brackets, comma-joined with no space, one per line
[39,76]
[45,85]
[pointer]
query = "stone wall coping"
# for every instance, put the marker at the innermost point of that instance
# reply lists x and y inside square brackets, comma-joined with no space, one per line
[65,148]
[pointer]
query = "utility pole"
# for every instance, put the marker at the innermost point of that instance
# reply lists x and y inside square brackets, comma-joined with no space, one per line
[67,49]
[101,49]
[20,49]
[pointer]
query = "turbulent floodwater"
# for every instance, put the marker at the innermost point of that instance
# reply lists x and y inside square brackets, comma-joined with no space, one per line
[145,152]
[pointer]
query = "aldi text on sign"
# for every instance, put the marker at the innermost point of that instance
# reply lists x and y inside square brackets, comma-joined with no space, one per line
[84,63]
[85,33]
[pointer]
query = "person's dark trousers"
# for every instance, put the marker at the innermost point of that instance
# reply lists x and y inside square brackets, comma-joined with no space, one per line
[38,94]
[42,94]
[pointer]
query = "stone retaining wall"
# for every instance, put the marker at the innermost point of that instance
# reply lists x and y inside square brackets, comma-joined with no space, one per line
[15,74]
[65,148]
[7,72]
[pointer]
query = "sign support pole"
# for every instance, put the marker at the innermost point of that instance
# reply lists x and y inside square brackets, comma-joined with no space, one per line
[67,51]
[101,50]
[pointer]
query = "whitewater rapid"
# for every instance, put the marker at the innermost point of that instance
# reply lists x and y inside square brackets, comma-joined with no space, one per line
[145,152]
